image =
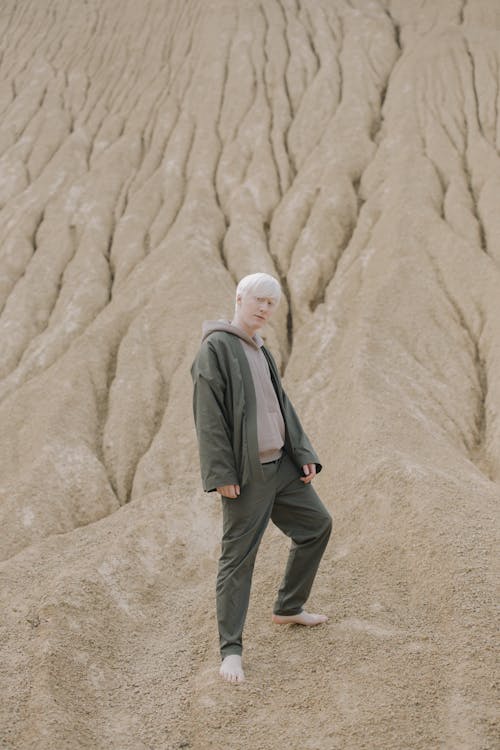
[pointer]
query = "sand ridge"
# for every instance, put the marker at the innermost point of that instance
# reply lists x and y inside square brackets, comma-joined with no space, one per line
[150,155]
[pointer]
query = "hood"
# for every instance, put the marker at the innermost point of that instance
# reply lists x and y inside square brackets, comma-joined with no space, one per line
[209,326]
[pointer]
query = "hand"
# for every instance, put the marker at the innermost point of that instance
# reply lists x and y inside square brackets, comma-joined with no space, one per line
[310,472]
[229,490]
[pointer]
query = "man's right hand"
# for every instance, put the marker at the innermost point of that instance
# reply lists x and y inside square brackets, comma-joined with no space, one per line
[229,490]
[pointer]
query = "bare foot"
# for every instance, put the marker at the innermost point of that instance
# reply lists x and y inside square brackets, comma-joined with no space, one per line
[303,618]
[231,669]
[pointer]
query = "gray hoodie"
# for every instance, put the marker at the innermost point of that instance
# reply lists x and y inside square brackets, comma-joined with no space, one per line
[270,423]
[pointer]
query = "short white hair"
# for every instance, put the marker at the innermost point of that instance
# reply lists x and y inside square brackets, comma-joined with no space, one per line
[261,284]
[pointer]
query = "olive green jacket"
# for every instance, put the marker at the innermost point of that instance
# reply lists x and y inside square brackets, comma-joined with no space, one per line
[225,414]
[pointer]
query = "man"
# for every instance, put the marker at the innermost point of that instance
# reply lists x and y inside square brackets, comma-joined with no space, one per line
[255,453]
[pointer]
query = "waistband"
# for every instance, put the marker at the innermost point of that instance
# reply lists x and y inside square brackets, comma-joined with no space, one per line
[275,461]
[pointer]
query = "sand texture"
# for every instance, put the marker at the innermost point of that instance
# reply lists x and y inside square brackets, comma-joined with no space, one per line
[152,152]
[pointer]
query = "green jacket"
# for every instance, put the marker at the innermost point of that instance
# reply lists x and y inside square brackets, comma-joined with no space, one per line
[225,414]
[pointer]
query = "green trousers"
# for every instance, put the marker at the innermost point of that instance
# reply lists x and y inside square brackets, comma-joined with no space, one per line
[296,509]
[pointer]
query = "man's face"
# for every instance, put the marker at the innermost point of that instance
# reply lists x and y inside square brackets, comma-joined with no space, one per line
[254,310]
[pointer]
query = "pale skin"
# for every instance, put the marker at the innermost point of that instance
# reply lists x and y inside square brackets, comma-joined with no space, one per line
[251,313]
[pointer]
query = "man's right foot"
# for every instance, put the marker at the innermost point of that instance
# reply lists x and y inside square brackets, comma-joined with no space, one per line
[231,669]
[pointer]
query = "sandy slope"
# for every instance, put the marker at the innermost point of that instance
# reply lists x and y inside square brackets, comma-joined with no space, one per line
[151,153]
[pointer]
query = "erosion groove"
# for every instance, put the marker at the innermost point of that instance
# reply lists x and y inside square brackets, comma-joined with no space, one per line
[152,153]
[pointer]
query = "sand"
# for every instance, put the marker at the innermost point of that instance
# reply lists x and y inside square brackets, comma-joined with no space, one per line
[151,154]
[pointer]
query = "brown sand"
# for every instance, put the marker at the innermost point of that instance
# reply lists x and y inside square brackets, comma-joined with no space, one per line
[151,153]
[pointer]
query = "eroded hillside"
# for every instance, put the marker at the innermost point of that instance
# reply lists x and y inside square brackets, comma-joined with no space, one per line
[151,154]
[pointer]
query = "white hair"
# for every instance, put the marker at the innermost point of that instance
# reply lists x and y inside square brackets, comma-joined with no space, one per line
[261,284]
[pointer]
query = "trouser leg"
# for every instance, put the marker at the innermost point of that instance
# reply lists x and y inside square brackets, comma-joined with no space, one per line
[300,514]
[244,522]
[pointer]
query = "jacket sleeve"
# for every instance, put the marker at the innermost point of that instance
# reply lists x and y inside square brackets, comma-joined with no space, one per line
[303,452]
[217,463]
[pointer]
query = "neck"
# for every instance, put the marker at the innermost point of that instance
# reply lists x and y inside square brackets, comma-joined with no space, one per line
[237,322]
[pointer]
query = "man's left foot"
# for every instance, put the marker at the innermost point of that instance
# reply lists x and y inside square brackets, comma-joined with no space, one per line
[303,618]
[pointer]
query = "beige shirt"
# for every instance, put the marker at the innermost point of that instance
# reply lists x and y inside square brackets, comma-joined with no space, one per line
[270,423]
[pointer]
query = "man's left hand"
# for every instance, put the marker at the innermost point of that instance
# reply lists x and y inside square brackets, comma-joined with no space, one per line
[309,471]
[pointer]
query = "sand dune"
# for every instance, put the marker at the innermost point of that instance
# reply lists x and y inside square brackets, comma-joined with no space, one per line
[152,153]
